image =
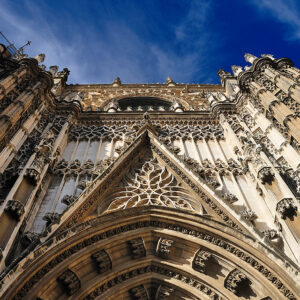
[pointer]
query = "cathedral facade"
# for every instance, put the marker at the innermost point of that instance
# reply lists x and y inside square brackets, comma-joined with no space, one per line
[150,191]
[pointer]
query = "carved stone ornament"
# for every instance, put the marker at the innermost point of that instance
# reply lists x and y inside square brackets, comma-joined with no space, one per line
[139,293]
[69,281]
[200,260]
[163,248]
[137,248]
[15,208]
[149,183]
[29,238]
[68,200]
[270,234]
[32,175]
[266,175]
[249,215]
[234,281]
[286,208]
[51,218]
[163,292]
[230,198]
[102,261]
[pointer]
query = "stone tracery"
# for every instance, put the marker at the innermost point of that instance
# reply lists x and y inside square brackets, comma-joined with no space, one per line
[149,184]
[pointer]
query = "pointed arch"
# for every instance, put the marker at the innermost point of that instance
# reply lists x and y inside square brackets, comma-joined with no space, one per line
[66,267]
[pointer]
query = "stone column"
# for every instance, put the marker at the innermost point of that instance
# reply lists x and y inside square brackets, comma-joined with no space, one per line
[13,112]
[22,195]
[286,84]
[282,113]
[10,82]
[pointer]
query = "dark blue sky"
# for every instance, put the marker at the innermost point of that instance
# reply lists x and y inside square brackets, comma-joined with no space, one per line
[146,41]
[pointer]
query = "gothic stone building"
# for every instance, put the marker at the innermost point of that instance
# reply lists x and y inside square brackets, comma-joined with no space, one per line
[150,191]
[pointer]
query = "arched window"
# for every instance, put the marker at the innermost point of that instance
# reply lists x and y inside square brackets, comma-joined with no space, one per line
[143,104]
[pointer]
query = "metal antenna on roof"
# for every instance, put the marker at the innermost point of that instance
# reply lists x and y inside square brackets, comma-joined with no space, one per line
[17,53]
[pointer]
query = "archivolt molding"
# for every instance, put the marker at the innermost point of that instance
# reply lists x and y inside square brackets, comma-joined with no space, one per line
[61,250]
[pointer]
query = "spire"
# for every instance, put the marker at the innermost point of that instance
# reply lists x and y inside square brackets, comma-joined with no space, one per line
[169,81]
[117,82]
[40,57]
[53,70]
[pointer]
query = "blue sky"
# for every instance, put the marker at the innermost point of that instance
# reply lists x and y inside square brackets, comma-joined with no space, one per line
[148,40]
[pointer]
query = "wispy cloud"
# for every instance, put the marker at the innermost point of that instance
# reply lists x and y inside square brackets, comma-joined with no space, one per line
[100,52]
[285,11]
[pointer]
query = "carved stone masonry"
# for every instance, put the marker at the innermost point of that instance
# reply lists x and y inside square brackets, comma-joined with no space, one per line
[286,208]
[230,198]
[51,218]
[28,238]
[102,260]
[249,215]
[163,292]
[137,248]
[163,247]
[43,156]
[15,208]
[200,261]
[68,200]
[266,175]
[70,282]
[139,293]
[234,281]
[270,234]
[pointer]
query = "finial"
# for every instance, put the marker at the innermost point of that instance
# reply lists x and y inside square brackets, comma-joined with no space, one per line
[113,106]
[53,70]
[176,106]
[211,98]
[250,58]
[221,96]
[236,70]
[169,81]
[117,82]
[223,74]
[146,117]
[40,57]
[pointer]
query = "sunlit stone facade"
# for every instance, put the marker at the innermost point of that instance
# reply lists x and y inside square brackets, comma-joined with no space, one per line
[149,191]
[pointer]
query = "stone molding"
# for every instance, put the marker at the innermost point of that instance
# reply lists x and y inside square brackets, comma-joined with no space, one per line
[215,240]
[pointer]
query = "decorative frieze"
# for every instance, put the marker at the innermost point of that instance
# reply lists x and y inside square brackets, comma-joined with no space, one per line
[214,240]
[15,208]
[163,271]
[69,281]
[137,248]
[102,261]
[164,246]
[234,281]
[286,208]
